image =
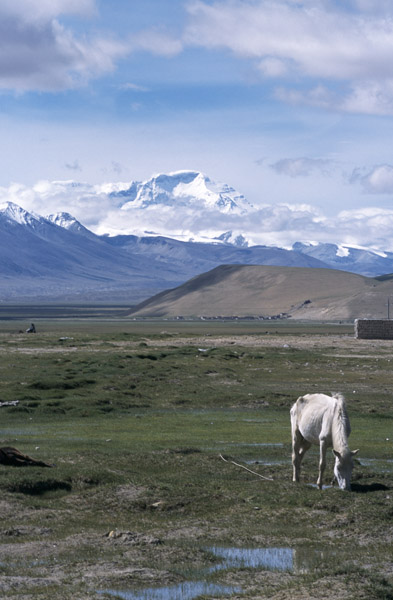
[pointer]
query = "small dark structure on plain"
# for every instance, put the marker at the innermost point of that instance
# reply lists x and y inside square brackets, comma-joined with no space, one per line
[12,457]
[31,329]
[374,329]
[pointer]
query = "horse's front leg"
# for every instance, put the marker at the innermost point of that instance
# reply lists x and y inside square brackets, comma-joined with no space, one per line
[322,462]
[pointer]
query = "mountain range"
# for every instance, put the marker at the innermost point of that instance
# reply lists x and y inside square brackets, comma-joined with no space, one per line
[56,258]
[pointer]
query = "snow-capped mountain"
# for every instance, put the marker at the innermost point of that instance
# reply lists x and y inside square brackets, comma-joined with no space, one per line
[235,239]
[184,188]
[11,212]
[64,219]
[58,258]
[39,259]
[363,261]
[67,221]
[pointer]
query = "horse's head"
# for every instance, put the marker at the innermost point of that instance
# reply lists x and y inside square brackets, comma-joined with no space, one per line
[343,468]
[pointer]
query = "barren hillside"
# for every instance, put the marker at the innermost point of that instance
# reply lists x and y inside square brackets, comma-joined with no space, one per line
[302,293]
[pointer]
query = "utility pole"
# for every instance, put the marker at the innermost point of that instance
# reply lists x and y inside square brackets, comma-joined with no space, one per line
[388,308]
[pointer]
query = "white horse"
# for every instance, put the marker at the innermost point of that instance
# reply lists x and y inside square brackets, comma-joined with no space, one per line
[322,420]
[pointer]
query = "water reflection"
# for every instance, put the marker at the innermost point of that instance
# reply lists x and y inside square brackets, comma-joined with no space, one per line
[268,462]
[324,487]
[379,464]
[273,559]
[182,591]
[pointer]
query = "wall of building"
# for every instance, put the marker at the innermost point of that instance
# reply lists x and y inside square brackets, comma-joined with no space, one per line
[374,329]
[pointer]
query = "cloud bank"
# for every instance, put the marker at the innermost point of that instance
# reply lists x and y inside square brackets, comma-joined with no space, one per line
[301,167]
[378,180]
[38,53]
[324,53]
[99,209]
[331,54]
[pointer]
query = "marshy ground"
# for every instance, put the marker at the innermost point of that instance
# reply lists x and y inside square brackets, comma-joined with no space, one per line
[140,503]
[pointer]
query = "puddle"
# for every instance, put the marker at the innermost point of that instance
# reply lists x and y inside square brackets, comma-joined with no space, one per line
[273,559]
[254,445]
[182,591]
[267,462]
[324,487]
[379,464]
[8,432]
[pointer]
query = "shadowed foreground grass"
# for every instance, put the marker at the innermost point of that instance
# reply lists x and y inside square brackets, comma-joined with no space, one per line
[136,424]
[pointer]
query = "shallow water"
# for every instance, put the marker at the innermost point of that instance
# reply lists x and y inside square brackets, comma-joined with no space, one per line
[253,445]
[182,591]
[273,559]
[324,487]
[268,462]
[8,432]
[379,464]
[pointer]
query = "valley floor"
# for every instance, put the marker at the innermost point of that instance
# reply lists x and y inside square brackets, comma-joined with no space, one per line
[137,419]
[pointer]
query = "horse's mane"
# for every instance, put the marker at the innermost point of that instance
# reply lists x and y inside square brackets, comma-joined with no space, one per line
[339,396]
[340,425]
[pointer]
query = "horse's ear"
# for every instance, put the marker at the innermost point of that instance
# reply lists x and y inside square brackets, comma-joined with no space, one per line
[337,454]
[354,452]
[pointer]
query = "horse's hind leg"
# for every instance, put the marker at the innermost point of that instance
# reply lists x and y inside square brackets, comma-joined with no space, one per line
[299,448]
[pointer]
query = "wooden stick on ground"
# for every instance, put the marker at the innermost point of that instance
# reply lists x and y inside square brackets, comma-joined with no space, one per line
[246,469]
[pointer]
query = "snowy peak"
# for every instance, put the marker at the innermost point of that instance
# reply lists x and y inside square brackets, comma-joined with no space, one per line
[13,212]
[234,240]
[63,219]
[185,188]
[67,221]
[365,261]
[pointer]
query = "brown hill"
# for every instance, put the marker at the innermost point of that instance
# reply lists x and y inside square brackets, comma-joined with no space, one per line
[302,293]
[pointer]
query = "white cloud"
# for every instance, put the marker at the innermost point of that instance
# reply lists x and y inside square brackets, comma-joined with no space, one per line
[281,224]
[380,7]
[134,87]
[301,167]
[370,227]
[38,53]
[309,40]
[369,97]
[157,42]
[273,67]
[379,180]
[89,204]
[372,98]
[44,10]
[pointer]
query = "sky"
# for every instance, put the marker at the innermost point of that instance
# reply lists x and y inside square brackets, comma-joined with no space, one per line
[288,101]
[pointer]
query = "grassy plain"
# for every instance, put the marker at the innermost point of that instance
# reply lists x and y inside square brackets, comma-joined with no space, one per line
[135,416]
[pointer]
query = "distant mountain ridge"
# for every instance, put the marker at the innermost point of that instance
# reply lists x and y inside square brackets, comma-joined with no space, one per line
[57,258]
[346,258]
[40,259]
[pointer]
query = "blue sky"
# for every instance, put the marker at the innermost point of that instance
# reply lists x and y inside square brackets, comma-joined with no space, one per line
[290,102]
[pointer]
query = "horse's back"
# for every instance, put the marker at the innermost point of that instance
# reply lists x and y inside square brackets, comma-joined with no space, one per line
[312,416]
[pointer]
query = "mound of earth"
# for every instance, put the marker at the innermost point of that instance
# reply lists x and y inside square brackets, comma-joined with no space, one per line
[269,291]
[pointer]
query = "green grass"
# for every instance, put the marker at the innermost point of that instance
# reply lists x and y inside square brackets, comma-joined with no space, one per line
[135,424]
